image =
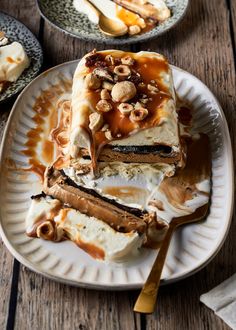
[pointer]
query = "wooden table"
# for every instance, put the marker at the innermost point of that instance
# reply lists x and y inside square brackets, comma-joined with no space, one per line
[203,44]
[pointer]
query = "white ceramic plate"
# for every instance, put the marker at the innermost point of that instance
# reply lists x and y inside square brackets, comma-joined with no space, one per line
[191,248]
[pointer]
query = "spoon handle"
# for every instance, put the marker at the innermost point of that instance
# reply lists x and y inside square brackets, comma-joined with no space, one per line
[147,298]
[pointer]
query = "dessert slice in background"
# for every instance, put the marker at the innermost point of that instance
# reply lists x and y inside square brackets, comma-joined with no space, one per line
[155,10]
[13,61]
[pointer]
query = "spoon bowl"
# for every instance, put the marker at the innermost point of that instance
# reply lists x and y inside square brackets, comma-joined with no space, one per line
[108,26]
[111,27]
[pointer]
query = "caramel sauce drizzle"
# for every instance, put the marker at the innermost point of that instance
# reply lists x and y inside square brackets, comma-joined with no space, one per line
[149,68]
[12,61]
[45,118]
[94,251]
[127,193]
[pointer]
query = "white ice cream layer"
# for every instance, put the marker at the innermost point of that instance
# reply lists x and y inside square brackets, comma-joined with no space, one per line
[89,230]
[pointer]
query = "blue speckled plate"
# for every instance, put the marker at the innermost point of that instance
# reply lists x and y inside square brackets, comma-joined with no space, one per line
[16,31]
[64,16]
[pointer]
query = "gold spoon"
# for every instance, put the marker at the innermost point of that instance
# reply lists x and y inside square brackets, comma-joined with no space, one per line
[108,26]
[147,298]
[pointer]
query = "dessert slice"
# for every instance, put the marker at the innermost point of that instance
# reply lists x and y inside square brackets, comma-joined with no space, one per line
[120,217]
[124,109]
[13,61]
[49,219]
[155,10]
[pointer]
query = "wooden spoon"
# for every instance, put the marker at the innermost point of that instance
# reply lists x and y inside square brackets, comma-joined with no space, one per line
[147,298]
[108,26]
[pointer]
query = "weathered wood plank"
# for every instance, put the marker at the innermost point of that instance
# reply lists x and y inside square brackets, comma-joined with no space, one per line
[203,47]
[66,48]
[24,11]
[44,304]
[6,266]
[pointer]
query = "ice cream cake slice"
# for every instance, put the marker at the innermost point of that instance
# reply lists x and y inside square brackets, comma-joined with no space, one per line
[124,109]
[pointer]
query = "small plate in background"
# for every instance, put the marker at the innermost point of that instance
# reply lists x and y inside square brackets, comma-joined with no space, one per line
[64,16]
[16,31]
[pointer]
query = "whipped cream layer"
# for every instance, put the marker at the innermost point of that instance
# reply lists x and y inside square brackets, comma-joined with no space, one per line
[13,61]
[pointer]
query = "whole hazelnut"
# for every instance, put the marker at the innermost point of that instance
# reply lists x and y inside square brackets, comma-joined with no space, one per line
[123,91]
[92,81]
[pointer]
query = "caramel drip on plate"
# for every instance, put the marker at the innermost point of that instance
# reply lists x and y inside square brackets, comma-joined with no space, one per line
[128,194]
[40,147]
[181,187]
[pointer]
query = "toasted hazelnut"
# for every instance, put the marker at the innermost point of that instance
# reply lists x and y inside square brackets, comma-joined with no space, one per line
[105,95]
[152,89]
[122,70]
[92,82]
[125,108]
[138,114]
[123,91]
[127,60]
[134,29]
[108,135]
[103,106]
[95,121]
[110,59]
[107,85]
